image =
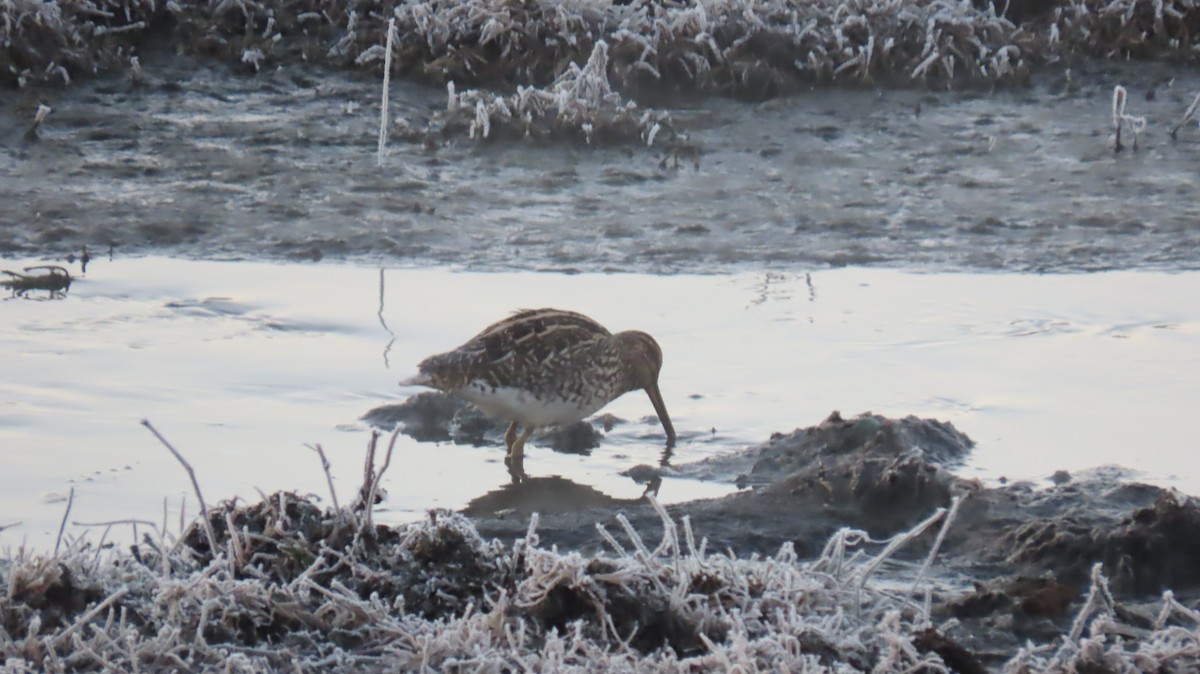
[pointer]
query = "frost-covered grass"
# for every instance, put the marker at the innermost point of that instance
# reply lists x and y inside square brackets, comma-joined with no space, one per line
[285,585]
[740,47]
[1101,642]
[581,100]
[574,66]
[293,587]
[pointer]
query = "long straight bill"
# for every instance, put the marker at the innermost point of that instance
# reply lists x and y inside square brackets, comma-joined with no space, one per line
[661,409]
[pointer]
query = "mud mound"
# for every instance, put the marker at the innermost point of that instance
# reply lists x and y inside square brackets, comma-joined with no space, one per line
[1144,550]
[864,437]
[869,472]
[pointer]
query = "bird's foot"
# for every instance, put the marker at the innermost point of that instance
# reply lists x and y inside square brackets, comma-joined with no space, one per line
[652,486]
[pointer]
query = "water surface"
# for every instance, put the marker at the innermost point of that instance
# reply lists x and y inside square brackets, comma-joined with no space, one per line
[241,364]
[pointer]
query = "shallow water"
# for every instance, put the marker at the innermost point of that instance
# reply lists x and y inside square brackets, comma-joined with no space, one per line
[240,364]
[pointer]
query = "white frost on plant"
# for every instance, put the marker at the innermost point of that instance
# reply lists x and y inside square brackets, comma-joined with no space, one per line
[370,55]
[580,99]
[254,57]
[652,133]
[43,111]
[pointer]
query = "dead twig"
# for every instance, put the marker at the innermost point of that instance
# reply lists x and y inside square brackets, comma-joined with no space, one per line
[1188,115]
[387,76]
[63,525]
[325,465]
[1120,119]
[40,116]
[212,537]
[387,461]
[56,280]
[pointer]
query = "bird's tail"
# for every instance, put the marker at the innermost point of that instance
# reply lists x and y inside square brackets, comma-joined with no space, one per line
[419,379]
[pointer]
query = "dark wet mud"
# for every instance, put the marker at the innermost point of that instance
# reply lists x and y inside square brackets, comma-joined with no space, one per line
[202,161]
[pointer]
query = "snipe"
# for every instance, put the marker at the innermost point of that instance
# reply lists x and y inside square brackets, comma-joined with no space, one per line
[543,367]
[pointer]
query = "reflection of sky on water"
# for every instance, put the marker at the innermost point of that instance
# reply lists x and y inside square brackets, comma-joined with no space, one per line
[241,364]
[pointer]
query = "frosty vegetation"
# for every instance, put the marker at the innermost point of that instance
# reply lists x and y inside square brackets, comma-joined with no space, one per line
[580,99]
[540,54]
[284,585]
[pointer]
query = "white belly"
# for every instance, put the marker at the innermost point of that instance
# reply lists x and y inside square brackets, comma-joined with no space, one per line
[524,408]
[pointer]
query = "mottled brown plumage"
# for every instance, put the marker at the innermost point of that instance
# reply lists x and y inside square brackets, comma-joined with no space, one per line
[543,367]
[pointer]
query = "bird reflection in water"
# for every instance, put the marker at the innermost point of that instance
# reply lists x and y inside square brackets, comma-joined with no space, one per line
[551,495]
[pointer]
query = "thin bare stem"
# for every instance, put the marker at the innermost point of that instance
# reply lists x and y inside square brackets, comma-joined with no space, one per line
[378,477]
[42,111]
[110,523]
[896,543]
[387,76]
[1118,113]
[368,467]
[63,525]
[1188,115]
[212,537]
[328,476]
[955,502]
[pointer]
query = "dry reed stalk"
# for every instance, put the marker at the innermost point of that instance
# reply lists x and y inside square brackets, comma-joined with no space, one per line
[208,530]
[383,108]
[63,525]
[1188,115]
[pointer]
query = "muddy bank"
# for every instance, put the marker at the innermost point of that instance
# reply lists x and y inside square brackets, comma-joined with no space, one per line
[1029,551]
[204,162]
[883,476]
[609,155]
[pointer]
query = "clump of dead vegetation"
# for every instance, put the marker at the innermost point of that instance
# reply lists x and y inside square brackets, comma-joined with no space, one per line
[52,278]
[285,584]
[581,100]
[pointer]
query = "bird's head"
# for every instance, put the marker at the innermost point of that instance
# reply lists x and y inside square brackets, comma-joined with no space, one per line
[642,360]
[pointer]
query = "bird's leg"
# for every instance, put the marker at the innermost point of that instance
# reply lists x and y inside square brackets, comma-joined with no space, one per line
[518,448]
[509,438]
[515,460]
[652,486]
